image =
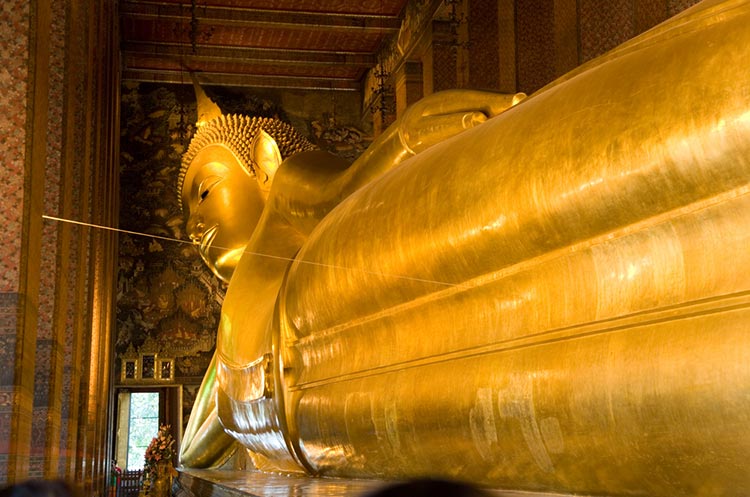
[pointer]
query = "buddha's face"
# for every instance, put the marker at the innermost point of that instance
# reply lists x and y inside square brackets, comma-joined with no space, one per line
[223,204]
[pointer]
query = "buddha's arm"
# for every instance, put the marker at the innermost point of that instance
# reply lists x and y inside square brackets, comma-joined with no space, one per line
[429,121]
[205,444]
[310,184]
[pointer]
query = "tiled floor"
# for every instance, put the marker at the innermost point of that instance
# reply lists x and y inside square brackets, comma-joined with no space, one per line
[223,483]
[252,483]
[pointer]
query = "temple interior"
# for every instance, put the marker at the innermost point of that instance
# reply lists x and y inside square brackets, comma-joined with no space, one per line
[109,314]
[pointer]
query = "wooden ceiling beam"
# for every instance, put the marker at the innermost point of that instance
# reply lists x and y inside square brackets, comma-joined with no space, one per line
[247,55]
[246,80]
[257,18]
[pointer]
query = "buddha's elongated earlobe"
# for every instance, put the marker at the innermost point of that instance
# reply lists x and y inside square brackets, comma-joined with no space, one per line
[267,158]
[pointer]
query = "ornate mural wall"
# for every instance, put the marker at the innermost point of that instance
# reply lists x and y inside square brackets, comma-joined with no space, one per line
[168,302]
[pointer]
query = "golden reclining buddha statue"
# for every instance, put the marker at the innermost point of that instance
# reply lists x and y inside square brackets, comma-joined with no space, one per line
[556,299]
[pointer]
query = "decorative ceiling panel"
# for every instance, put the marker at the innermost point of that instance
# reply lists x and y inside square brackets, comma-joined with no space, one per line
[383,7]
[280,43]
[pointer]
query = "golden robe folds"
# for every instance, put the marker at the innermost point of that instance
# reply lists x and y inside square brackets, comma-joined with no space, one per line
[554,300]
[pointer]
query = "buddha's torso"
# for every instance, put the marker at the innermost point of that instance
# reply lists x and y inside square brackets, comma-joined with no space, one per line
[521,306]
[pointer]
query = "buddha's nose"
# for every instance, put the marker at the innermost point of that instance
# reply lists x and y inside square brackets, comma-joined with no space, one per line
[195,228]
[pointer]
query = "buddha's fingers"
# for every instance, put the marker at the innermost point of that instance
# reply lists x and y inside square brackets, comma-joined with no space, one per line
[442,115]
[462,101]
[434,129]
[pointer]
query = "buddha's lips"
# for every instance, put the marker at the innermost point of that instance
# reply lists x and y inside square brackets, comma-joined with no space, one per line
[206,239]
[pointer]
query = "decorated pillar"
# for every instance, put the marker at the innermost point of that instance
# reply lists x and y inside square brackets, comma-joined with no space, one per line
[55,292]
[28,107]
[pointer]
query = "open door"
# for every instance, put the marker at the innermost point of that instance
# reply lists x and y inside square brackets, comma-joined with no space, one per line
[140,412]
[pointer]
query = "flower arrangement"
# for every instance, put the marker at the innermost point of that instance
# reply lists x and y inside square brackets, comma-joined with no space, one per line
[160,450]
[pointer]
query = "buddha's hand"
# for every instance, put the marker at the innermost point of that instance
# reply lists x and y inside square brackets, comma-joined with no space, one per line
[205,444]
[441,115]
[427,122]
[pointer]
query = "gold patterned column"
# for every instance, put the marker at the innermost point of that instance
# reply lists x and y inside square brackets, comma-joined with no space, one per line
[95,427]
[21,392]
[62,115]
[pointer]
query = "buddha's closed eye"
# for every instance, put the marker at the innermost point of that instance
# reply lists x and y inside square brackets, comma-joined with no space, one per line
[206,185]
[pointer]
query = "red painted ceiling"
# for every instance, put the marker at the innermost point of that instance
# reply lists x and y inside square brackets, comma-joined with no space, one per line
[323,44]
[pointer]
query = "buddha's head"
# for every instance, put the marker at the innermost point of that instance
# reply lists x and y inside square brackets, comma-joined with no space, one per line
[225,179]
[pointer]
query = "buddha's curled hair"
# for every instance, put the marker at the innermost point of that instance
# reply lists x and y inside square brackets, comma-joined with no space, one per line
[236,132]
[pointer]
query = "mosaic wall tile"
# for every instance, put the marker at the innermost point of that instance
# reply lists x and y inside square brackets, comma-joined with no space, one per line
[8,329]
[46,322]
[674,7]
[38,429]
[8,312]
[47,273]
[80,209]
[67,389]
[52,181]
[484,71]
[604,25]
[443,58]
[36,467]
[3,460]
[535,44]
[649,13]
[56,104]
[506,46]
[42,372]
[14,17]
[566,36]
[7,352]
[69,342]
[444,70]
[6,398]
[79,199]
[72,284]
[69,373]
[5,423]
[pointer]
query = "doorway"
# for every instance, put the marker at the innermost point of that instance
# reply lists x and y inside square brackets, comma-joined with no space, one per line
[140,413]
